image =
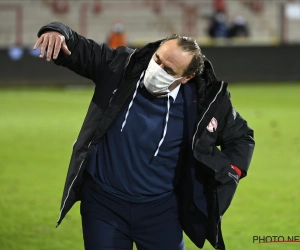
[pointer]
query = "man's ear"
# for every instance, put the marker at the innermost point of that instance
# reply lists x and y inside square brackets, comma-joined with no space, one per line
[187,78]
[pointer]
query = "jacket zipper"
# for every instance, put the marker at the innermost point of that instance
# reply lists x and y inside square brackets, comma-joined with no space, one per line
[114,92]
[70,189]
[129,59]
[206,112]
[63,206]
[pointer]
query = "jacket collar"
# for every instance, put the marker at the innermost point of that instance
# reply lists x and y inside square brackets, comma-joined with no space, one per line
[140,59]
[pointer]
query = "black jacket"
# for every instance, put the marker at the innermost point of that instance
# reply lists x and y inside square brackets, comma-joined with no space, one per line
[208,182]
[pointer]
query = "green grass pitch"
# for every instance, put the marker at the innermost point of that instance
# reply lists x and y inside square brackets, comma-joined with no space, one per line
[39,126]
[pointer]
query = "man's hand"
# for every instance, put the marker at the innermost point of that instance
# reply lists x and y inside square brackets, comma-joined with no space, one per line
[52,42]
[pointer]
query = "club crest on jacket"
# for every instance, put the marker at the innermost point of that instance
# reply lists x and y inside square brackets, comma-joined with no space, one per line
[212,125]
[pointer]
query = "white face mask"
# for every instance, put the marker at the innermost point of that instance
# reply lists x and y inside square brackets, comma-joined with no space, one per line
[157,81]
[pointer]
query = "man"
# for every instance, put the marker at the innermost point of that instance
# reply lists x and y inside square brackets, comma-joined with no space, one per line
[146,163]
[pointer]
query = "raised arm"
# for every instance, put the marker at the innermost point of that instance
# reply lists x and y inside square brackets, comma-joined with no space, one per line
[68,49]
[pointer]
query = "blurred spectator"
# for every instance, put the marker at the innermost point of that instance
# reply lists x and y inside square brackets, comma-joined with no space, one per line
[238,28]
[15,52]
[117,35]
[219,6]
[292,10]
[218,26]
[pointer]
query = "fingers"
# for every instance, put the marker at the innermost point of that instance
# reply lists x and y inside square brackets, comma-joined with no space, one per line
[51,43]
[65,49]
[38,42]
[44,45]
[43,40]
[57,47]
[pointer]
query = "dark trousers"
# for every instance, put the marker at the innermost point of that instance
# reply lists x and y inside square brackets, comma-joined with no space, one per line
[110,223]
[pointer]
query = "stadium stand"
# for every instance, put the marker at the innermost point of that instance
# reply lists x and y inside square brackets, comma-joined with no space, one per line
[144,19]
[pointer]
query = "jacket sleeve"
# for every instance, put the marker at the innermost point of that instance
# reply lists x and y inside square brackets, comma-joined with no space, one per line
[236,138]
[88,58]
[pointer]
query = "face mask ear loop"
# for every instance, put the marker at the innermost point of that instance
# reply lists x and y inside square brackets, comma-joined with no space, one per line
[165,129]
[130,104]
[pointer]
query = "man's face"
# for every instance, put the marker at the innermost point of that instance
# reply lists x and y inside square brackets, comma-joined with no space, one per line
[174,61]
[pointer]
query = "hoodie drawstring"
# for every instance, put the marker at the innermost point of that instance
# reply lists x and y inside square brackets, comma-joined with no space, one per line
[130,104]
[165,129]
[167,116]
